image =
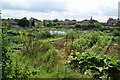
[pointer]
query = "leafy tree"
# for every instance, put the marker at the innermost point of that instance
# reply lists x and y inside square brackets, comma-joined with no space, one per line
[55,20]
[98,25]
[91,25]
[66,20]
[54,24]
[48,23]
[78,25]
[33,23]
[44,22]
[110,19]
[58,23]
[73,20]
[103,24]
[23,22]
[16,20]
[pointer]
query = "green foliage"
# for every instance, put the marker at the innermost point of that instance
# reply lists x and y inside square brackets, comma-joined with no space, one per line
[98,25]
[45,34]
[6,59]
[37,58]
[23,22]
[88,26]
[50,23]
[6,25]
[118,24]
[55,20]
[96,65]
[78,25]
[102,44]
[33,23]
[103,24]
[116,33]
[84,42]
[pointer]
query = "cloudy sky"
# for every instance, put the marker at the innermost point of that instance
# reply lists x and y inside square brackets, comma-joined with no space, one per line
[101,10]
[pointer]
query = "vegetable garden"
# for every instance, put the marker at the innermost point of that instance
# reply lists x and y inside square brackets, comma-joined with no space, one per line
[36,53]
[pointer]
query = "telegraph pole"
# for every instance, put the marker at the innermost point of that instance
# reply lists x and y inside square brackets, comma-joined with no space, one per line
[1,32]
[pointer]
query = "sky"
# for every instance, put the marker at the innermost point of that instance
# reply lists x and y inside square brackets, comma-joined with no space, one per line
[100,10]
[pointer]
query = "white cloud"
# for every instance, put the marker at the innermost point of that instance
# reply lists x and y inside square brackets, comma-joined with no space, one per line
[61,9]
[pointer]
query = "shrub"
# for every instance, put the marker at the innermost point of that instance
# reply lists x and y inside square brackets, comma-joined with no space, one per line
[83,43]
[116,33]
[96,65]
[78,25]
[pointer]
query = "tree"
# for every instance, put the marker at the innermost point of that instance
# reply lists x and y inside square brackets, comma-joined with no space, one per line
[103,24]
[73,20]
[49,23]
[110,19]
[23,22]
[33,23]
[55,20]
[16,20]
[44,22]
[90,25]
[66,20]
[54,24]
[78,25]
[98,25]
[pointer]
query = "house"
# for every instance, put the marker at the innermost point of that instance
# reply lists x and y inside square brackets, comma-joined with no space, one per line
[68,22]
[38,23]
[112,22]
[86,21]
[10,21]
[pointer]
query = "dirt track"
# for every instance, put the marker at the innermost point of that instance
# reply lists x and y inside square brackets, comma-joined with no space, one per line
[60,43]
[113,49]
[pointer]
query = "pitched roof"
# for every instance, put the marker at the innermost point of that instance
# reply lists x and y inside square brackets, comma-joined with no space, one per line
[86,21]
[10,21]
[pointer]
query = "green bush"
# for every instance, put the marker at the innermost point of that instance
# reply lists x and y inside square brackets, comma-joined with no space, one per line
[96,65]
[116,33]
[78,25]
[83,43]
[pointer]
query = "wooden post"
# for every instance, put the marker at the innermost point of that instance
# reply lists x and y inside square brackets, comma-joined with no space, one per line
[66,39]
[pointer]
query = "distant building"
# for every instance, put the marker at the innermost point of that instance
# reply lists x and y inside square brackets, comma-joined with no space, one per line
[68,22]
[10,21]
[112,22]
[38,23]
[86,21]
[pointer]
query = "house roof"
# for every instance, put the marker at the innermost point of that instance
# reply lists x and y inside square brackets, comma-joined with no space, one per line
[114,21]
[86,21]
[38,22]
[68,22]
[10,21]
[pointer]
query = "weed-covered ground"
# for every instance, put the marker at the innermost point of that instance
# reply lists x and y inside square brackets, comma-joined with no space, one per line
[66,53]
